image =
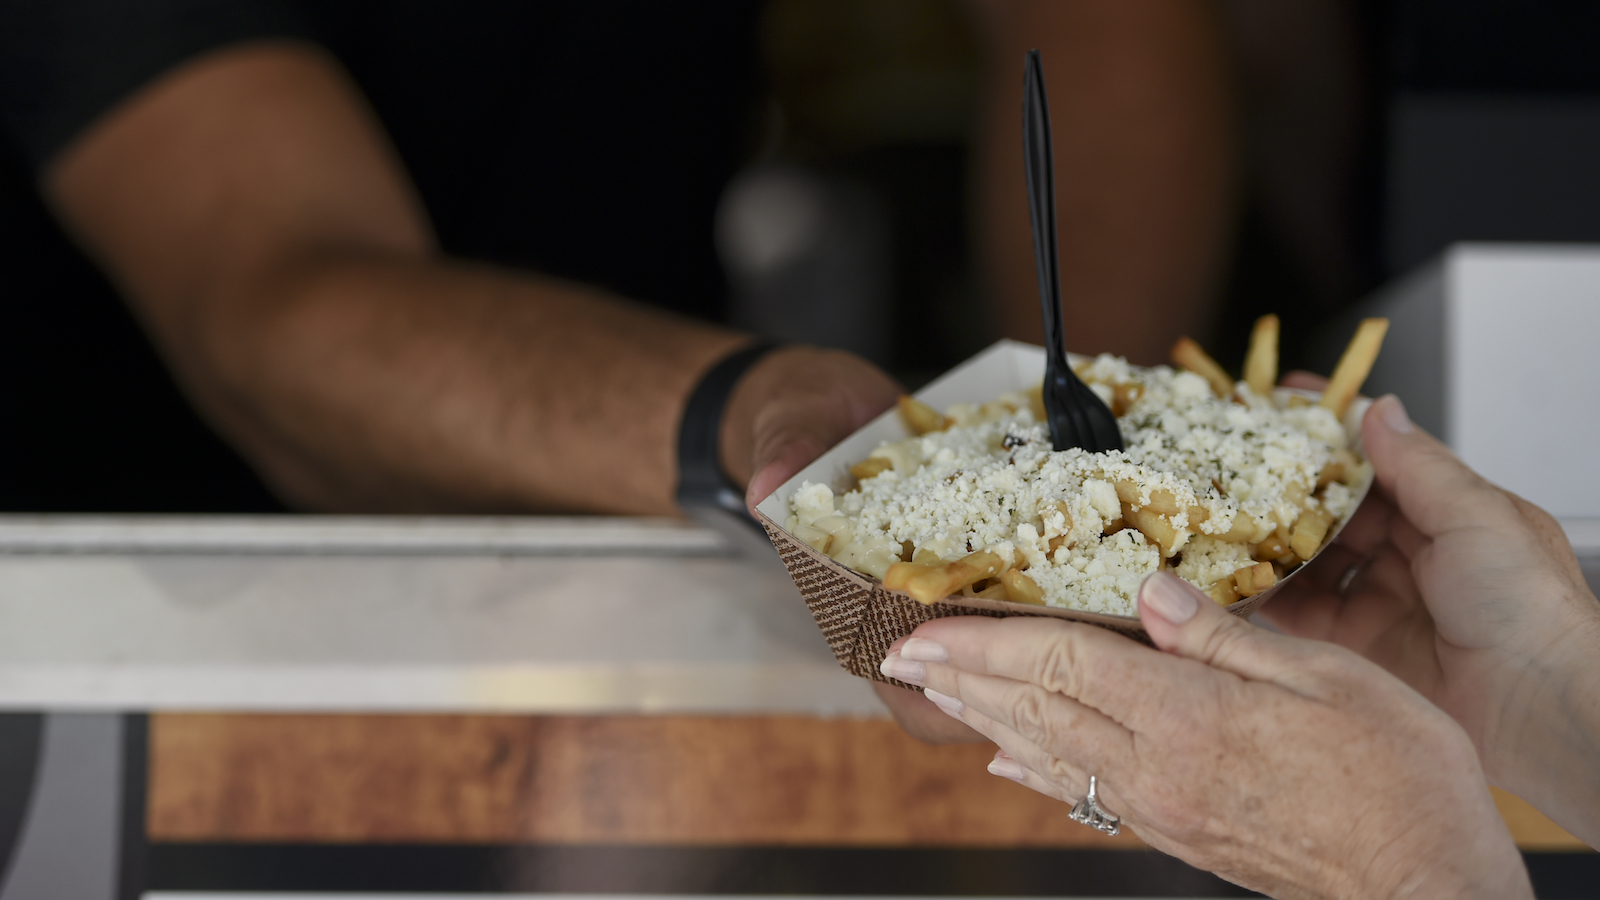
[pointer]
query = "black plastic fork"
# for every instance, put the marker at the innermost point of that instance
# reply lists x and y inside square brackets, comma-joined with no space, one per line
[1077,415]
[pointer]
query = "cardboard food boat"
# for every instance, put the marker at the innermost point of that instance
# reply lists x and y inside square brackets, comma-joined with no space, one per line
[859,616]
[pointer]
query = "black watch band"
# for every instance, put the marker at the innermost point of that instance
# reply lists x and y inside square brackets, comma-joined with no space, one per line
[701,481]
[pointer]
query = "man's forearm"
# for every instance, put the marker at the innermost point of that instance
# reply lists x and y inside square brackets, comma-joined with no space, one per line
[251,210]
[406,384]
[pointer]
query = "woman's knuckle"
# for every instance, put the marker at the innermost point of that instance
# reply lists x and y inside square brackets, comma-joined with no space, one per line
[1057,668]
[1062,773]
[1223,642]
[1032,719]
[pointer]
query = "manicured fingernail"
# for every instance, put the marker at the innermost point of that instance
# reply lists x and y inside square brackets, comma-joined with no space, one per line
[1169,597]
[903,669]
[1006,767]
[924,650]
[950,705]
[1394,415]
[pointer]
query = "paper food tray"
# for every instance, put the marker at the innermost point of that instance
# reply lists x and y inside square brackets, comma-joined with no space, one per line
[858,616]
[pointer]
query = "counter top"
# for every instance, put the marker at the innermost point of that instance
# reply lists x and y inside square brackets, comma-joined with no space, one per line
[325,613]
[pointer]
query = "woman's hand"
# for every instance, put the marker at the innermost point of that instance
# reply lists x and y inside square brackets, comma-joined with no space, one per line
[1474,598]
[1284,765]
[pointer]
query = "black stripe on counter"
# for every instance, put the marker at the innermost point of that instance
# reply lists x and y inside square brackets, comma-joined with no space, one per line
[133,850]
[20,735]
[467,868]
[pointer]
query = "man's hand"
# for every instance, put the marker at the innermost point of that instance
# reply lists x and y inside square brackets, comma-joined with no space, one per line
[788,410]
[791,407]
[1473,597]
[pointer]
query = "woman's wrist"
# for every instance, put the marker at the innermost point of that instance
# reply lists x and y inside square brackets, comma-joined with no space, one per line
[1549,751]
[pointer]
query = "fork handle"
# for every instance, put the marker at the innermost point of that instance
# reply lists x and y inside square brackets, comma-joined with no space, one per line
[1039,157]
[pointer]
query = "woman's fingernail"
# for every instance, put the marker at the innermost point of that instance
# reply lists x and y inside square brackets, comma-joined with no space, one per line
[949,704]
[903,669]
[1394,415]
[1006,767]
[1168,597]
[924,650]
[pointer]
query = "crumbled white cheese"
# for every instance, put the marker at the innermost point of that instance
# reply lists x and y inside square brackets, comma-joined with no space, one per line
[992,481]
[1207,560]
[812,502]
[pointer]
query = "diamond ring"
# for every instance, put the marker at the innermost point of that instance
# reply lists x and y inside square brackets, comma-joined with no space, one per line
[1088,812]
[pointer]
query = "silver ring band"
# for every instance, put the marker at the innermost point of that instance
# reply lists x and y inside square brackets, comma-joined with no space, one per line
[1351,574]
[1088,812]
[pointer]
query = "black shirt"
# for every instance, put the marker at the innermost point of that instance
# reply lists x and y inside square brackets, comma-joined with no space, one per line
[587,139]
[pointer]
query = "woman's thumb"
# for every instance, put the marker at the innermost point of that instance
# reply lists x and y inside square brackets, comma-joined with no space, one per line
[1183,621]
[1433,488]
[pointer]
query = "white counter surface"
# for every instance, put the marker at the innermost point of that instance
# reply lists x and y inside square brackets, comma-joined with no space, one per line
[522,615]
[326,613]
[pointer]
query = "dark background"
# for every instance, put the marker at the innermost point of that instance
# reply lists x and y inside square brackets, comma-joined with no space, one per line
[1483,123]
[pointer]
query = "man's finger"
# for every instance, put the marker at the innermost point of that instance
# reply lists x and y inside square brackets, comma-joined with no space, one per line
[1092,665]
[1305,381]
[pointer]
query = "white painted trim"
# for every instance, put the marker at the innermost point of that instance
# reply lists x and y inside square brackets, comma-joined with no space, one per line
[1584,535]
[357,535]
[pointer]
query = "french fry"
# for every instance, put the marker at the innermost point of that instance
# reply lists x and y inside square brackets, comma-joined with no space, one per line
[925,557]
[938,582]
[1261,362]
[1273,547]
[1187,354]
[1252,580]
[1354,365]
[920,417]
[1242,530]
[1123,396]
[1308,532]
[869,467]
[899,574]
[996,591]
[818,539]
[1160,531]
[1036,402]
[1056,543]
[1162,502]
[1022,589]
[1340,468]
[1061,506]
[1224,592]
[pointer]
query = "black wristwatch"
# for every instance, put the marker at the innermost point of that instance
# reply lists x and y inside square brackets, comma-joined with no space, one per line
[701,480]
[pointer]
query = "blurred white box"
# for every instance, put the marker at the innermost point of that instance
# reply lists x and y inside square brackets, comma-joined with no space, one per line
[1496,349]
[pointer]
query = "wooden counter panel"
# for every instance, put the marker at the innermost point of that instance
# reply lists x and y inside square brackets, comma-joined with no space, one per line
[585,779]
[607,779]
